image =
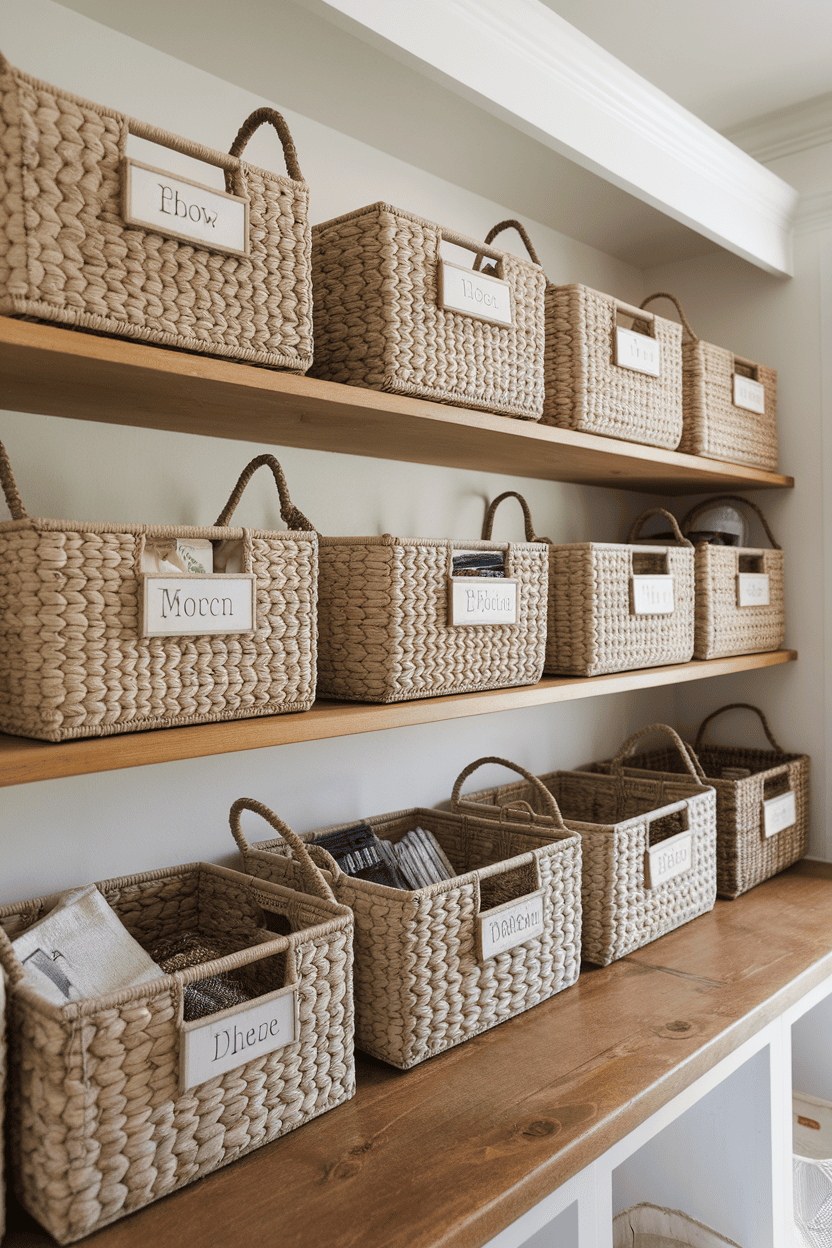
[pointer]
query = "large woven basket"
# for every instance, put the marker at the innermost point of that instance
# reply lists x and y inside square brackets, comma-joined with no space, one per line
[103,1120]
[383,317]
[74,657]
[422,984]
[385,631]
[620,818]
[585,386]
[715,426]
[73,250]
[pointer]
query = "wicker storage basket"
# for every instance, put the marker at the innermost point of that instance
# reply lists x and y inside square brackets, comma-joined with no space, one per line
[585,387]
[385,630]
[76,657]
[621,819]
[76,247]
[715,425]
[423,980]
[388,317]
[104,1116]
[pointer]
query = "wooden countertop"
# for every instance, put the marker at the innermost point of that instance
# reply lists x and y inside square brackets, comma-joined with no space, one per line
[449,1153]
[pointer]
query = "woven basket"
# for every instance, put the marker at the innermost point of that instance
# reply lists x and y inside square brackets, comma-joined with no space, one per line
[75,660]
[421,983]
[72,251]
[102,1118]
[585,388]
[384,620]
[714,425]
[383,317]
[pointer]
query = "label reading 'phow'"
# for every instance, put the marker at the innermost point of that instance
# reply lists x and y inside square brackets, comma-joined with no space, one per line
[222,1042]
[201,606]
[477,294]
[182,209]
[508,925]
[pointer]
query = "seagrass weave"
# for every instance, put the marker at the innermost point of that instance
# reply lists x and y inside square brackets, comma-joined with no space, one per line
[73,658]
[713,425]
[67,253]
[100,1125]
[380,322]
[383,620]
[421,986]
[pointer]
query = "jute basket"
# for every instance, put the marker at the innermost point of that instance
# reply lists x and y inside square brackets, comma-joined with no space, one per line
[620,818]
[714,425]
[75,660]
[422,981]
[73,251]
[383,320]
[385,631]
[585,387]
[103,1117]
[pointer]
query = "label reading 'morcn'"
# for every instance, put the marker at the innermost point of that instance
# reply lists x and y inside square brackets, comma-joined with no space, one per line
[203,606]
[508,925]
[483,600]
[222,1042]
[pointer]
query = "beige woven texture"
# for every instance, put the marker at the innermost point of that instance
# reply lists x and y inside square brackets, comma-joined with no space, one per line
[379,322]
[713,426]
[419,986]
[99,1126]
[618,817]
[73,662]
[384,634]
[722,626]
[66,254]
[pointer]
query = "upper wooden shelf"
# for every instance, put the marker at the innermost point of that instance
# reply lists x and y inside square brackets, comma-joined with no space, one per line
[62,372]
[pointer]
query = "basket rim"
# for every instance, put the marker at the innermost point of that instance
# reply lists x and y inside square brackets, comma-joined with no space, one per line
[43,524]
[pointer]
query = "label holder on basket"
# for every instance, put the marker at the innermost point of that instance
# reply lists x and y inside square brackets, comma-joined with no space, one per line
[477,600]
[753,589]
[166,203]
[212,1046]
[778,814]
[638,352]
[653,594]
[671,857]
[510,924]
[485,296]
[749,393]
[202,605]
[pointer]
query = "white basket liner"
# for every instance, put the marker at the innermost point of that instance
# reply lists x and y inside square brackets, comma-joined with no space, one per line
[649,1226]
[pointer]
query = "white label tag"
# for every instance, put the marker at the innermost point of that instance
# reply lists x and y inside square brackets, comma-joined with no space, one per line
[508,925]
[752,589]
[197,606]
[779,813]
[183,209]
[668,859]
[652,595]
[222,1042]
[483,600]
[637,351]
[749,394]
[477,294]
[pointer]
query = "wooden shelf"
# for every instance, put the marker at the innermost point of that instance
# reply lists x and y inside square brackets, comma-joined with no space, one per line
[62,372]
[24,760]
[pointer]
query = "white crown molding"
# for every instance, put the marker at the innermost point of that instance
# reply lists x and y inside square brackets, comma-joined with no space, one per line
[526,65]
[787,131]
[814,213]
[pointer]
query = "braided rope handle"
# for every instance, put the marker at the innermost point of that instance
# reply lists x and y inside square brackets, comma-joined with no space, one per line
[8,958]
[498,229]
[488,522]
[293,518]
[10,490]
[550,805]
[695,512]
[738,706]
[313,881]
[663,294]
[687,752]
[638,525]
[258,118]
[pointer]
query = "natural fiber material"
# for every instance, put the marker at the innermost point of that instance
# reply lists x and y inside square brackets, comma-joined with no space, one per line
[713,426]
[384,631]
[74,663]
[420,986]
[722,626]
[67,255]
[379,320]
[99,1126]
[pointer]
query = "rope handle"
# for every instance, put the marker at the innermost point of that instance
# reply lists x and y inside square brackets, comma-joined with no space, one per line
[292,518]
[247,129]
[488,522]
[313,880]
[498,229]
[688,754]
[738,706]
[8,957]
[550,805]
[693,515]
[663,294]
[638,525]
[10,490]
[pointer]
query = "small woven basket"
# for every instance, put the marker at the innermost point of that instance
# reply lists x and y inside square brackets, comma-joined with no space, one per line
[423,982]
[75,247]
[385,630]
[387,317]
[104,1118]
[715,424]
[76,655]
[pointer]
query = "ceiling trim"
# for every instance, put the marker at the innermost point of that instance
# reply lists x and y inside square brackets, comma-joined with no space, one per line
[787,131]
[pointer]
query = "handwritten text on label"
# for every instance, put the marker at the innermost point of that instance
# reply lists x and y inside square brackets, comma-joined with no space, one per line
[749,394]
[510,924]
[668,859]
[752,589]
[652,595]
[638,352]
[483,600]
[779,813]
[205,606]
[478,294]
[224,1041]
[182,209]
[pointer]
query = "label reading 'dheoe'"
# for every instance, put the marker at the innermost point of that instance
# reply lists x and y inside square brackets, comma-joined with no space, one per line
[668,859]
[182,209]
[508,925]
[652,595]
[477,294]
[483,600]
[749,394]
[201,606]
[779,813]
[752,589]
[638,352]
[222,1042]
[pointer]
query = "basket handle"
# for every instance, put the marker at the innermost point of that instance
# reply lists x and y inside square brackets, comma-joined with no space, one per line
[488,522]
[638,525]
[293,518]
[498,229]
[313,880]
[663,294]
[258,118]
[688,754]
[695,512]
[550,805]
[10,490]
[738,706]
